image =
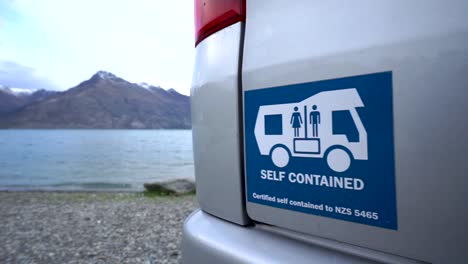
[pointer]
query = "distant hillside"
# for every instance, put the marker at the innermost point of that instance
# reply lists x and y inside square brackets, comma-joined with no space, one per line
[103,101]
[11,100]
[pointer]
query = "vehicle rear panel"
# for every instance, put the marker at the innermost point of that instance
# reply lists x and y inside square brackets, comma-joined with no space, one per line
[424,46]
[216,125]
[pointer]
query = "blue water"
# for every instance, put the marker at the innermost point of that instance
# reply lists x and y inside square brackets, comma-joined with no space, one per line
[92,159]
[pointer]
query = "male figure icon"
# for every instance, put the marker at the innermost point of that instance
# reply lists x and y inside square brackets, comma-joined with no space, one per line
[314,118]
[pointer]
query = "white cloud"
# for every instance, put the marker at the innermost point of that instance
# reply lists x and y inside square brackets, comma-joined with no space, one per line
[13,74]
[139,40]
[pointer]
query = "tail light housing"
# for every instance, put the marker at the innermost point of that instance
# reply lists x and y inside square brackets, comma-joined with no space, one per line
[214,15]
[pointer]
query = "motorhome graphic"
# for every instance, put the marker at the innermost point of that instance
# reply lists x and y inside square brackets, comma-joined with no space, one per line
[312,128]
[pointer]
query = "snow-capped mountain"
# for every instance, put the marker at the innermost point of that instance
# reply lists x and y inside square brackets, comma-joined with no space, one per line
[106,75]
[103,101]
[13,99]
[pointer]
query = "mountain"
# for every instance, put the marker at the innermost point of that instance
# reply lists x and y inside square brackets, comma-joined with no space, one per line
[10,102]
[103,101]
[13,99]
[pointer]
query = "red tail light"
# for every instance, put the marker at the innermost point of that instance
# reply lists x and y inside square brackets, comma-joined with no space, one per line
[214,15]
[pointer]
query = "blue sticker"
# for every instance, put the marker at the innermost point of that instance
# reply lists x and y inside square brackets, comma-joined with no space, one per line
[324,148]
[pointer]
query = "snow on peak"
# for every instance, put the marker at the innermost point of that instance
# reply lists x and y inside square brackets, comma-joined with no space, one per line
[16,91]
[144,85]
[22,91]
[106,75]
[150,87]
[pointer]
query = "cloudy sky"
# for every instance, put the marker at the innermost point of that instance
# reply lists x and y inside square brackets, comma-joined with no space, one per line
[56,44]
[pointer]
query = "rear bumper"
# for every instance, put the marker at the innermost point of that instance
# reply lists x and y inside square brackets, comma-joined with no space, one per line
[207,239]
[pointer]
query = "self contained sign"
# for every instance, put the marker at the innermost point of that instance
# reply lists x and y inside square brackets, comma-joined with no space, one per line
[324,148]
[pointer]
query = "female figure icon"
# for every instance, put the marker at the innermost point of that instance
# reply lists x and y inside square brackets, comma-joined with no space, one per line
[296,121]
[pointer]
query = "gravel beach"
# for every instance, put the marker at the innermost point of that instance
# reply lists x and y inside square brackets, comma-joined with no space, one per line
[76,227]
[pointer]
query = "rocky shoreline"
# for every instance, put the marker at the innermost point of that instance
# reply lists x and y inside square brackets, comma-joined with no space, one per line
[77,227]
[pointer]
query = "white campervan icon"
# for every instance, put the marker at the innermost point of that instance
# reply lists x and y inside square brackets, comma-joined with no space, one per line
[306,129]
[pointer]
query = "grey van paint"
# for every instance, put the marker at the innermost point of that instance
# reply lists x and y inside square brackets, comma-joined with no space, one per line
[207,239]
[216,126]
[425,45]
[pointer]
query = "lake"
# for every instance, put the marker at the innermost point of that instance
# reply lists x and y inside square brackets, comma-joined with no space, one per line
[92,159]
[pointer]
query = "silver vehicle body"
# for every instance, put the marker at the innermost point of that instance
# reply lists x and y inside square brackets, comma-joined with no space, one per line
[423,43]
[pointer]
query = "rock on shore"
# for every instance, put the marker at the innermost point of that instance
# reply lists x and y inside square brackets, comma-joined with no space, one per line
[177,186]
[59,227]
